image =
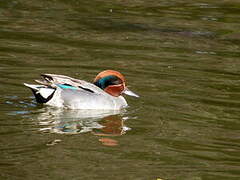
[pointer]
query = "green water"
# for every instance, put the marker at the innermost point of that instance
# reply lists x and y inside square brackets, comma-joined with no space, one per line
[181,57]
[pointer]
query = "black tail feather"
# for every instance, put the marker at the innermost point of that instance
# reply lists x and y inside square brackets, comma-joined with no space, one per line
[40,98]
[39,95]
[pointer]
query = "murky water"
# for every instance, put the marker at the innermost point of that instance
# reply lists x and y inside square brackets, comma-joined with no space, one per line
[182,57]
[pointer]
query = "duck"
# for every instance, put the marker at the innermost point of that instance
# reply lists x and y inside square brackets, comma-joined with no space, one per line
[105,93]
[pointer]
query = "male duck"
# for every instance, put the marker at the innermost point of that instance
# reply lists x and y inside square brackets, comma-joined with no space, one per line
[63,91]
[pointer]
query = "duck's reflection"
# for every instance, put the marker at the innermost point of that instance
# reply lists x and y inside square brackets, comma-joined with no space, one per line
[101,123]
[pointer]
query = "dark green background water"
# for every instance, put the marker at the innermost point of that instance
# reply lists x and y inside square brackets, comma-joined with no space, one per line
[181,57]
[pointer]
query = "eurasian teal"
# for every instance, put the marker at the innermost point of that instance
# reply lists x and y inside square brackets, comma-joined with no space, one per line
[62,91]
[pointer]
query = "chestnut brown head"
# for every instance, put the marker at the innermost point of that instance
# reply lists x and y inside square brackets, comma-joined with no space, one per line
[112,82]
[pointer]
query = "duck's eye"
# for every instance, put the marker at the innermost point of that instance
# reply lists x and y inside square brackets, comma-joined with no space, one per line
[107,81]
[116,82]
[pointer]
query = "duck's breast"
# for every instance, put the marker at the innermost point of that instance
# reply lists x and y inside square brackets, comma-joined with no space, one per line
[81,99]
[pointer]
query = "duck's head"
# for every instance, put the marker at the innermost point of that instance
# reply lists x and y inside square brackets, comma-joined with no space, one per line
[113,82]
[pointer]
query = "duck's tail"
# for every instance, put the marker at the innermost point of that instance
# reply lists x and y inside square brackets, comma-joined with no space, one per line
[42,93]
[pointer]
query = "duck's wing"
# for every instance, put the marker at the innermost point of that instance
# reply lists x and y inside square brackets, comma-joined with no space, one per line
[66,82]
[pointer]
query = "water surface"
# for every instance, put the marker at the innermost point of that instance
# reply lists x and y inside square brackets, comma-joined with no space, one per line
[181,57]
